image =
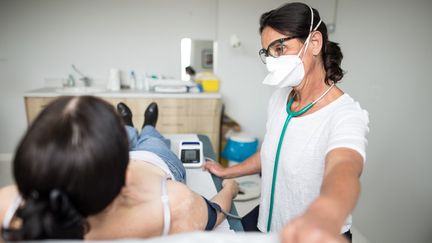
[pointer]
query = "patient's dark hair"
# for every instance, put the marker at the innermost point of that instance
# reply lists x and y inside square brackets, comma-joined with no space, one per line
[293,19]
[70,164]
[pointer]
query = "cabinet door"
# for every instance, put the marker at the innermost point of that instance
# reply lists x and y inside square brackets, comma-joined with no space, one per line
[204,107]
[34,105]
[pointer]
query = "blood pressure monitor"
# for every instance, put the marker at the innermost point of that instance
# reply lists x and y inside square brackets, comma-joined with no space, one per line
[191,153]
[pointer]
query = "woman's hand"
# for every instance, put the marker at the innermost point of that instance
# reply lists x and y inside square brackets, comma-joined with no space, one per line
[215,168]
[315,225]
[304,230]
[232,186]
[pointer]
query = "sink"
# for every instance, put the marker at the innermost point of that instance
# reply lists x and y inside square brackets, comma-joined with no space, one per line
[79,90]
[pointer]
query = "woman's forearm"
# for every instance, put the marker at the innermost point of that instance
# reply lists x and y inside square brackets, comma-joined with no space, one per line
[248,167]
[340,189]
[224,200]
[341,198]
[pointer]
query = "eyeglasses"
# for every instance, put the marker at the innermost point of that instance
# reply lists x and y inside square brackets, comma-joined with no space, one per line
[275,49]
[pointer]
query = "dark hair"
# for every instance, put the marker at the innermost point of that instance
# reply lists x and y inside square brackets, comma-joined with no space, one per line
[70,164]
[294,19]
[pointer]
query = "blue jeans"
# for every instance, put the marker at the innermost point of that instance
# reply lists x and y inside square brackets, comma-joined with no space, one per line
[151,140]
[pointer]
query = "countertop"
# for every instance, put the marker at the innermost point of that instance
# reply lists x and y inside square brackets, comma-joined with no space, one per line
[52,92]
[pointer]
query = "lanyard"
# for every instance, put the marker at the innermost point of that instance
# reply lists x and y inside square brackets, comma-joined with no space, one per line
[291,114]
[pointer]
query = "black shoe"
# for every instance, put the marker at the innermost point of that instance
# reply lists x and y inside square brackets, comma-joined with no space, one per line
[151,115]
[125,113]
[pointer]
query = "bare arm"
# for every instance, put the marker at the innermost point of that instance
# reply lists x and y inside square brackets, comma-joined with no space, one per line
[248,167]
[339,193]
[189,209]
[341,186]
[7,196]
[224,198]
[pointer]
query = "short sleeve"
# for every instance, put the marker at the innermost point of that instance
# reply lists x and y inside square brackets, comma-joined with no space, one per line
[277,99]
[349,129]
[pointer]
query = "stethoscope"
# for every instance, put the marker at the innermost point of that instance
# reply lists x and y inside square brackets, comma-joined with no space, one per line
[291,114]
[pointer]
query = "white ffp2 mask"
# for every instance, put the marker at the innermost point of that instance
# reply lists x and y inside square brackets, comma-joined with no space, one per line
[288,70]
[284,71]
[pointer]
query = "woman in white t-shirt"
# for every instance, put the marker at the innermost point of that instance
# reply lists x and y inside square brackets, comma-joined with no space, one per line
[314,148]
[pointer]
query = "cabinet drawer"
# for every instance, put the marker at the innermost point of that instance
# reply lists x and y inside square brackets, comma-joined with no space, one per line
[186,124]
[204,107]
[186,107]
[173,107]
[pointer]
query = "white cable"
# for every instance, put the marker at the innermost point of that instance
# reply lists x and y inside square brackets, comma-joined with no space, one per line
[166,208]
[10,213]
[312,15]
[230,215]
[210,159]
[328,90]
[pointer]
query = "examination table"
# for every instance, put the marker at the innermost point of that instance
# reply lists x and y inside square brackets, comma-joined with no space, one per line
[204,183]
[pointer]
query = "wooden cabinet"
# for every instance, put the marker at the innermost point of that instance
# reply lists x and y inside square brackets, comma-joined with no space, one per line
[176,115]
[34,105]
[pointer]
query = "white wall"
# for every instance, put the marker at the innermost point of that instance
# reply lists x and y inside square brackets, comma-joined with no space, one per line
[388,51]
[41,39]
[387,56]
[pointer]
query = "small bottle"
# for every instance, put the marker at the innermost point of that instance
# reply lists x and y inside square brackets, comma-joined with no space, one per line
[132,80]
[114,80]
[139,84]
[146,83]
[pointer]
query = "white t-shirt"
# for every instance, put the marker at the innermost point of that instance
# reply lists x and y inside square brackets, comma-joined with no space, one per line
[151,158]
[342,123]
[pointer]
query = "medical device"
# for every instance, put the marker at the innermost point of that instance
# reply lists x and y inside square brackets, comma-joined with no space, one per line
[191,153]
[291,114]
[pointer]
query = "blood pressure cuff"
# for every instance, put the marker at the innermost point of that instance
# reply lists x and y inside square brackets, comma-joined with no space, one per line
[8,235]
[212,210]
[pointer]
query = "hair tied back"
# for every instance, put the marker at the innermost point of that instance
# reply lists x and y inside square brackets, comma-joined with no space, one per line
[61,205]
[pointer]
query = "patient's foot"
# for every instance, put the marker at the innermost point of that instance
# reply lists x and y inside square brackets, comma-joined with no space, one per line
[151,115]
[125,113]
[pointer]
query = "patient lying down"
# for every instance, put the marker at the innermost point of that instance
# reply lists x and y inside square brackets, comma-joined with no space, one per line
[76,179]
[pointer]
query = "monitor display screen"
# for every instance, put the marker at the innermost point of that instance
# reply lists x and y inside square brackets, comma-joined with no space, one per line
[190,156]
